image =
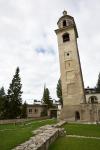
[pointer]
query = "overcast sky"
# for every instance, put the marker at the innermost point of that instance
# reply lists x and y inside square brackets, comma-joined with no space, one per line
[27,40]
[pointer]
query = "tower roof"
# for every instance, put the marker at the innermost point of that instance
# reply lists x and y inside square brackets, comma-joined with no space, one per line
[65,15]
[69,22]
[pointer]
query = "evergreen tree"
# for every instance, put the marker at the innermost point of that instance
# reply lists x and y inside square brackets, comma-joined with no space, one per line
[46,97]
[24,110]
[98,84]
[2,92]
[14,96]
[59,92]
[5,108]
[3,104]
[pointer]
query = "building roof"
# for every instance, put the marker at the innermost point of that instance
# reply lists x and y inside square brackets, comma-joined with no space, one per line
[91,91]
[36,105]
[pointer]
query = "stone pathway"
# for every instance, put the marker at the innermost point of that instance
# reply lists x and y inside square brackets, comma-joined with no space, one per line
[86,137]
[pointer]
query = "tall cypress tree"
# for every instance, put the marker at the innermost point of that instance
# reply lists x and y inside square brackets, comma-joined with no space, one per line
[46,97]
[98,84]
[14,96]
[59,92]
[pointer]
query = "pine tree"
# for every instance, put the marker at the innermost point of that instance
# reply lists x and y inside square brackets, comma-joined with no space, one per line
[3,104]
[59,92]
[46,97]
[5,108]
[98,84]
[14,96]
[2,91]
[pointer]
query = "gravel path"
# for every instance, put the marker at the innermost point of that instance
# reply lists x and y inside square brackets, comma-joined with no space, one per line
[86,137]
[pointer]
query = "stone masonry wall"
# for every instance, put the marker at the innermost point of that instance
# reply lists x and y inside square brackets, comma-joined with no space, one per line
[43,137]
[15,121]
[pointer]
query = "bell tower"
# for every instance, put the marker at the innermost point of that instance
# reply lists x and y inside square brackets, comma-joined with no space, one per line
[70,67]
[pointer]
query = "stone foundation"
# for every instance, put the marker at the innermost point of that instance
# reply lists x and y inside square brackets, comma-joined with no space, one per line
[68,112]
[83,112]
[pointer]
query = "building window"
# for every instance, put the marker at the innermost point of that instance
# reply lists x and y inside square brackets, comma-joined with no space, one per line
[36,110]
[30,111]
[64,23]
[66,37]
[93,100]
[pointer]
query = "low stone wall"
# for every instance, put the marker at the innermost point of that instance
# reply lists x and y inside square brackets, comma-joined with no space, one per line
[43,137]
[15,121]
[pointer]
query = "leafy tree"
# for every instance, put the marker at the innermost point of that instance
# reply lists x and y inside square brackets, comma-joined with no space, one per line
[14,96]
[44,112]
[98,84]
[46,97]
[24,110]
[59,92]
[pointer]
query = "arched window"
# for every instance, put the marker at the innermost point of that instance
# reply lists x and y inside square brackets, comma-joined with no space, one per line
[77,115]
[93,100]
[64,23]
[66,37]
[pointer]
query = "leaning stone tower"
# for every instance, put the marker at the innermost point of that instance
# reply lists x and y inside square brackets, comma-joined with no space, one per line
[70,68]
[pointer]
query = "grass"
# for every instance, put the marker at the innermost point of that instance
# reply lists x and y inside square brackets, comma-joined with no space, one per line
[83,129]
[64,143]
[73,143]
[12,135]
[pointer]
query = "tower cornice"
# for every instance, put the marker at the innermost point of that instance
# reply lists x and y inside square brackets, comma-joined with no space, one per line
[67,27]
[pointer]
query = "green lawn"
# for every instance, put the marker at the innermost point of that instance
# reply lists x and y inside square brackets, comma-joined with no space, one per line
[83,129]
[12,135]
[64,143]
[73,143]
